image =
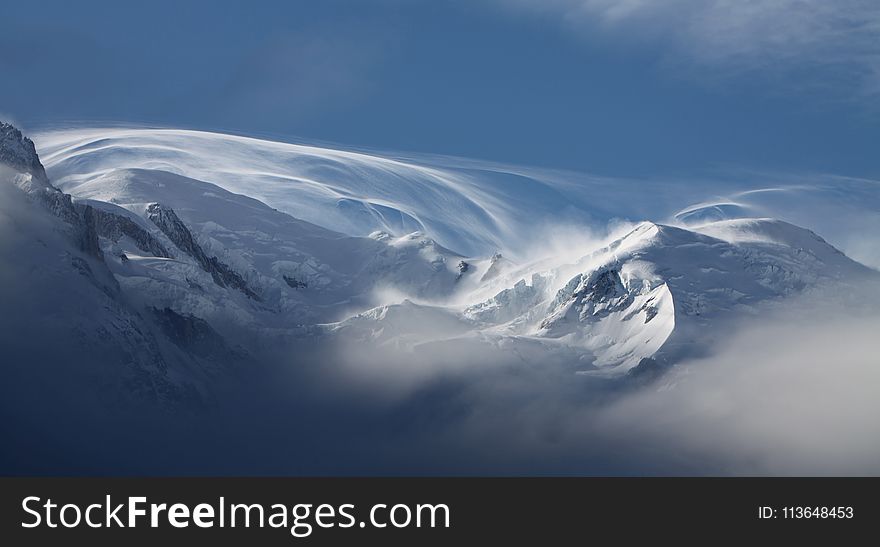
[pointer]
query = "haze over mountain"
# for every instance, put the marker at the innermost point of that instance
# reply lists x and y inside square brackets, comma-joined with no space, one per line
[173,263]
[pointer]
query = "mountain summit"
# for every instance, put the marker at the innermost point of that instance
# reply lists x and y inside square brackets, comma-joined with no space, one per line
[19,152]
[190,246]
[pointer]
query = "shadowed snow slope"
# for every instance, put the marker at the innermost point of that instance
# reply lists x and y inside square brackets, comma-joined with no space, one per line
[268,241]
[183,270]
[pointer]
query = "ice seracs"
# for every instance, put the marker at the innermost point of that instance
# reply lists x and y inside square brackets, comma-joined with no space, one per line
[659,292]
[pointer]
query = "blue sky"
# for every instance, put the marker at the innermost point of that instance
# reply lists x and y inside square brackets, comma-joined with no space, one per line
[625,87]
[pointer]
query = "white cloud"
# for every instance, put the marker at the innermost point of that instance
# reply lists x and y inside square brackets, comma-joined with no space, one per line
[791,390]
[820,42]
[792,395]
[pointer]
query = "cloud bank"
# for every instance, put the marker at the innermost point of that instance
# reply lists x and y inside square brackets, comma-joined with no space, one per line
[792,394]
[791,391]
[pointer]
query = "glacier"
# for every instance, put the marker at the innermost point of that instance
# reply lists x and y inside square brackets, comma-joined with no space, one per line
[177,262]
[328,243]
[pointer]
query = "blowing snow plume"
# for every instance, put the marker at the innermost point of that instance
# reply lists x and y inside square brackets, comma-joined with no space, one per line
[433,315]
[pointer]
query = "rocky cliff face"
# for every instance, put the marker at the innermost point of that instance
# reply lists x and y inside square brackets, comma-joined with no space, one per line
[167,220]
[595,295]
[114,227]
[62,305]
[18,152]
[193,335]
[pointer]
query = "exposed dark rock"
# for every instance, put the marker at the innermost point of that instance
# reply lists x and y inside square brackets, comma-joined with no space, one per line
[19,152]
[89,233]
[114,227]
[591,297]
[463,268]
[648,370]
[192,334]
[605,286]
[167,220]
[295,283]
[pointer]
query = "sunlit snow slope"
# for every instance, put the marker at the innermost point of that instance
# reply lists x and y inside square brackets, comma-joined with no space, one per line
[474,208]
[271,241]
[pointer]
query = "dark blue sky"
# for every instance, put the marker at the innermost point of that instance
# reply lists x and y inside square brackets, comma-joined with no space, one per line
[564,83]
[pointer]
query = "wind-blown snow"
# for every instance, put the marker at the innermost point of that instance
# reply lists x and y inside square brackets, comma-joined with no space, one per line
[266,219]
[471,207]
[508,299]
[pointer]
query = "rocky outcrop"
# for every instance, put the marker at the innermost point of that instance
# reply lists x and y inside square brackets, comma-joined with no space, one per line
[18,152]
[192,334]
[497,264]
[295,283]
[589,298]
[89,232]
[170,224]
[113,227]
[601,293]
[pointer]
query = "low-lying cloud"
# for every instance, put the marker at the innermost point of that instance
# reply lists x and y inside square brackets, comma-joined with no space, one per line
[791,391]
[794,393]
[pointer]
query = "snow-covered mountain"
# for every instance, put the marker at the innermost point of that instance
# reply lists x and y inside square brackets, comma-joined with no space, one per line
[473,207]
[655,295]
[65,314]
[208,249]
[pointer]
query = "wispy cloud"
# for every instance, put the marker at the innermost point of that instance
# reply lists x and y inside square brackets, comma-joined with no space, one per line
[816,41]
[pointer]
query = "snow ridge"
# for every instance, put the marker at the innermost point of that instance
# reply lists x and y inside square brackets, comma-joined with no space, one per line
[223,238]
